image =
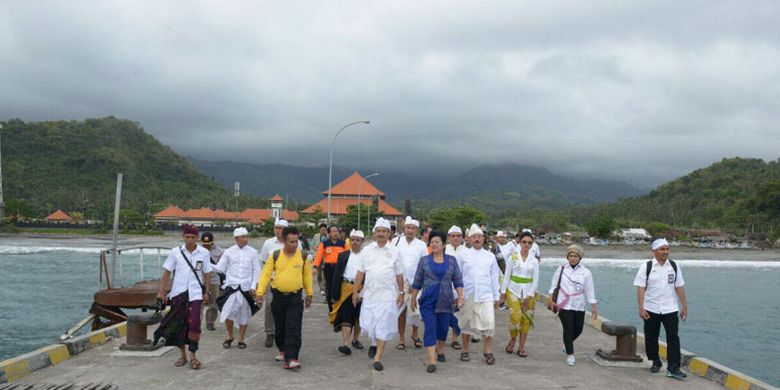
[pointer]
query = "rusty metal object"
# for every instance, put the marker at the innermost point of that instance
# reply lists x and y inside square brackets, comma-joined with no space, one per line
[137,325]
[625,344]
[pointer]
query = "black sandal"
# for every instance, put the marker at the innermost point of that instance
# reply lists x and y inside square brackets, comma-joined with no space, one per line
[431,368]
[378,366]
[417,342]
[357,344]
[226,344]
[464,356]
[456,345]
[401,347]
[241,345]
[489,359]
[441,358]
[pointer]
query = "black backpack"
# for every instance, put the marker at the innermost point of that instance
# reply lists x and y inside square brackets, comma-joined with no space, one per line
[650,267]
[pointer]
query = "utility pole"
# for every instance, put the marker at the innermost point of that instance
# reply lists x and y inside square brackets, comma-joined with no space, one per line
[236,192]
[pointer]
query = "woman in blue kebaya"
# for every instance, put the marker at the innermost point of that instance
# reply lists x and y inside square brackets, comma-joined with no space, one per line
[437,275]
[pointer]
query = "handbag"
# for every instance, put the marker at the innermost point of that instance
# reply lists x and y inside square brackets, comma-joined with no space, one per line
[554,297]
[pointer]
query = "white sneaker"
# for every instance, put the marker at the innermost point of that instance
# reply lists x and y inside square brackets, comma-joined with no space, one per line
[570,360]
[279,357]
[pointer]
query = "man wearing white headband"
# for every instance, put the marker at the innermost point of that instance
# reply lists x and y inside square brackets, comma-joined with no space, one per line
[480,286]
[455,249]
[345,315]
[410,249]
[241,265]
[269,247]
[380,284]
[659,283]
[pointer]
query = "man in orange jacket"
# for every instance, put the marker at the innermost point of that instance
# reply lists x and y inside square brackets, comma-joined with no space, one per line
[328,253]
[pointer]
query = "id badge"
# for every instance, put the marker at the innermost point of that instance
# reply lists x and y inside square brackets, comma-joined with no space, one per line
[578,287]
[670,277]
[198,266]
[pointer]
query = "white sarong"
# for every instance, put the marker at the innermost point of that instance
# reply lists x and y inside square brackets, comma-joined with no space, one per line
[413,318]
[379,319]
[477,318]
[236,309]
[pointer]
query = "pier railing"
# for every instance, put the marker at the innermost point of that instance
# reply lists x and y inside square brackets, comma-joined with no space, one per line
[108,272]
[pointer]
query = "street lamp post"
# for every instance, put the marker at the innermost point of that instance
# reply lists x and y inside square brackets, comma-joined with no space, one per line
[330,164]
[359,202]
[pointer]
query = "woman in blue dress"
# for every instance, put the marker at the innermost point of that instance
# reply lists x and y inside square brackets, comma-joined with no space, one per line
[438,275]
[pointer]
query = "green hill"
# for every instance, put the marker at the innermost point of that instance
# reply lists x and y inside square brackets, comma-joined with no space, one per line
[736,194]
[72,165]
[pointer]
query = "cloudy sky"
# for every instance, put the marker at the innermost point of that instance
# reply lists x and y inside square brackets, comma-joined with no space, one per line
[641,91]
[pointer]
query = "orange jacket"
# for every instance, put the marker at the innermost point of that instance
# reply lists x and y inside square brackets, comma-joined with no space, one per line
[329,252]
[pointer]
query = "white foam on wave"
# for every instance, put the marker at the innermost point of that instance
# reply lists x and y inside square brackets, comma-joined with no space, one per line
[634,263]
[23,250]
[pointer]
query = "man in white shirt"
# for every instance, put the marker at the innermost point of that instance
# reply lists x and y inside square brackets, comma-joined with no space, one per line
[212,310]
[241,265]
[455,249]
[191,268]
[659,283]
[379,282]
[345,316]
[480,286]
[269,246]
[410,249]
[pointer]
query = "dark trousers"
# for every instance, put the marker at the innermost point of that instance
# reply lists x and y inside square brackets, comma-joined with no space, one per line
[572,321]
[288,316]
[653,330]
[327,272]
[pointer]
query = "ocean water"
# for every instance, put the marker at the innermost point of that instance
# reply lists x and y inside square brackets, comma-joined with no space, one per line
[733,319]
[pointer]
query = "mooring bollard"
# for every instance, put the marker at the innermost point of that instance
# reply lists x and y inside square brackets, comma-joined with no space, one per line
[137,325]
[625,345]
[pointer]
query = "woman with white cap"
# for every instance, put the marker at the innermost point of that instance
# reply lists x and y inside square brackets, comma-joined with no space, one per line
[575,286]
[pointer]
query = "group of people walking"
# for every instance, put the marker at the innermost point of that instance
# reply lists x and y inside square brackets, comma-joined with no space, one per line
[444,282]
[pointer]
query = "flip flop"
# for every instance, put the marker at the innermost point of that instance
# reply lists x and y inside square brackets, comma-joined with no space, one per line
[464,356]
[510,347]
[378,366]
[489,359]
[357,344]
[417,342]
[456,345]
[226,344]
[181,362]
[195,364]
[400,347]
[241,345]
[522,354]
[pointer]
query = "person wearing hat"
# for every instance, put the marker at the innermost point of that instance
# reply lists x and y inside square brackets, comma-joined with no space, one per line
[477,317]
[410,249]
[315,242]
[575,288]
[191,268]
[379,283]
[212,310]
[269,246]
[241,265]
[344,316]
[659,284]
[455,249]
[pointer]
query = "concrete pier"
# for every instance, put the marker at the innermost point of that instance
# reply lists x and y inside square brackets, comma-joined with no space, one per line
[325,368]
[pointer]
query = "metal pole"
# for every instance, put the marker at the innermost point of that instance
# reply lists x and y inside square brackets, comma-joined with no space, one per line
[330,163]
[359,202]
[2,205]
[116,224]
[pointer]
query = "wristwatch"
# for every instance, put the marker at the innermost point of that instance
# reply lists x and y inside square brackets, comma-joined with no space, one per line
[402,292]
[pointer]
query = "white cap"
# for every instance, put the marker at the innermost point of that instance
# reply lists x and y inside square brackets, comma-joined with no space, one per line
[454,229]
[238,232]
[500,233]
[527,230]
[411,221]
[660,243]
[281,222]
[474,229]
[381,223]
[357,233]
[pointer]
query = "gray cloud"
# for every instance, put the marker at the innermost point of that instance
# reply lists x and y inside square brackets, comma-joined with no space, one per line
[640,91]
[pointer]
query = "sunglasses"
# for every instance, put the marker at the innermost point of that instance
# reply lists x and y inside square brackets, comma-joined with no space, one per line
[526,242]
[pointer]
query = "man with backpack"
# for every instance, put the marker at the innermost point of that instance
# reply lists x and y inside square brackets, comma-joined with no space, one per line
[659,284]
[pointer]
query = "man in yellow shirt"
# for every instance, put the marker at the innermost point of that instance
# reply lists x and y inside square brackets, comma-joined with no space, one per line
[291,274]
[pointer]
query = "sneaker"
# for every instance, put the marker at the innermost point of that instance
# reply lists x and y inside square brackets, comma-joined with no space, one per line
[570,360]
[679,375]
[322,293]
[371,351]
[269,340]
[293,364]
[656,367]
[279,357]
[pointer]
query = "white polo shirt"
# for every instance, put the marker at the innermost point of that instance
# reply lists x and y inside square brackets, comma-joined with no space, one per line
[480,275]
[660,294]
[183,277]
[380,266]
[410,254]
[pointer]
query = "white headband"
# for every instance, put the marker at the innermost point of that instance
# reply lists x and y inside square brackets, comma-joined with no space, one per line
[474,229]
[240,232]
[500,233]
[381,223]
[357,233]
[411,221]
[659,243]
[454,229]
[281,222]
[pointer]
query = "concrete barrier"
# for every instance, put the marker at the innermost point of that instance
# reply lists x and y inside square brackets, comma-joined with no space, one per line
[21,366]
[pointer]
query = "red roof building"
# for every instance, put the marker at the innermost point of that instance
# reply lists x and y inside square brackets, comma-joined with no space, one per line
[349,192]
[59,216]
[209,217]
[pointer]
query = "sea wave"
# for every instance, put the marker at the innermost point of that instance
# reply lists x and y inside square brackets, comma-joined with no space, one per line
[634,263]
[25,250]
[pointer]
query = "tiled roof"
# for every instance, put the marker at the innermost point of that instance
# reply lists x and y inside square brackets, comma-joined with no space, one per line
[276,198]
[59,215]
[338,206]
[170,212]
[353,185]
